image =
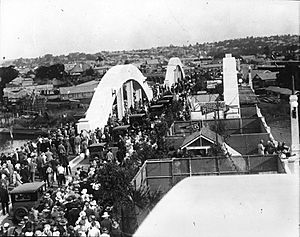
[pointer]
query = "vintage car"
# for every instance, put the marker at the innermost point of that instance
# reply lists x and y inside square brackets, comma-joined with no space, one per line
[117,131]
[139,120]
[96,150]
[24,197]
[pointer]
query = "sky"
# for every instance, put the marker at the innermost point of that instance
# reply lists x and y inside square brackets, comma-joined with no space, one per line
[32,28]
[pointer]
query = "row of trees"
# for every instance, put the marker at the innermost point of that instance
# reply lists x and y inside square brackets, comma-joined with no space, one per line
[7,74]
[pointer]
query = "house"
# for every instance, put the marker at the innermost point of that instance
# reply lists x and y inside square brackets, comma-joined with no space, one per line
[69,66]
[151,65]
[200,142]
[102,69]
[204,106]
[78,69]
[248,58]
[82,91]
[265,79]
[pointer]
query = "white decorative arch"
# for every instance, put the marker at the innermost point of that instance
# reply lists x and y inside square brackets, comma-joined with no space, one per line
[172,71]
[106,92]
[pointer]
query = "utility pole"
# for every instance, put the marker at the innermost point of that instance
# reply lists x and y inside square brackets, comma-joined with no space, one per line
[295,146]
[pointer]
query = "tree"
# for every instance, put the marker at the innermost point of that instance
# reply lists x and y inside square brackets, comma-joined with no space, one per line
[7,74]
[284,78]
[89,72]
[115,183]
[53,71]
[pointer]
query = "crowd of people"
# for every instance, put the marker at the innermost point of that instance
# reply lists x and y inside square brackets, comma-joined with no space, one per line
[69,211]
[273,147]
[72,205]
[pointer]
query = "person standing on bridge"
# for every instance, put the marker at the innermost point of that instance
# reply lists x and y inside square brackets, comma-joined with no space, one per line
[4,198]
[61,151]
[261,147]
[77,141]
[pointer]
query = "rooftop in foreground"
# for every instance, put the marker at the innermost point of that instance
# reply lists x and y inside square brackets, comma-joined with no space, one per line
[247,205]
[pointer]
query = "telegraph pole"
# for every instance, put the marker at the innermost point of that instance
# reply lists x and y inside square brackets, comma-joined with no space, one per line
[295,146]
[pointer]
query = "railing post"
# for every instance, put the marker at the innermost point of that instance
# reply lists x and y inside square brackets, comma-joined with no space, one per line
[217,165]
[190,166]
[248,164]
[146,172]
[172,176]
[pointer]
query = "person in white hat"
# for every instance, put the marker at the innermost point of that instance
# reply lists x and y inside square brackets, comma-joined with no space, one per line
[106,222]
[47,230]
[6,225]
[85,197]
[5,229]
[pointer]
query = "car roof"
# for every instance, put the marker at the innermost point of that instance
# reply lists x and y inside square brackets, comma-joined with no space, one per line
[123,127]
[101,144]
[27,187]
[137,115]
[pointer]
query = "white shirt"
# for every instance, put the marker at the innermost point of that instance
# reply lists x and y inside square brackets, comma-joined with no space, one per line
[60,170]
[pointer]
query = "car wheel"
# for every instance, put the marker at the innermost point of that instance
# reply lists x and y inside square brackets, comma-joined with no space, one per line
[20,213]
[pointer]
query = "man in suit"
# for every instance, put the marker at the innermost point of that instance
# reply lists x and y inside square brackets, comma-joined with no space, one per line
[4,198]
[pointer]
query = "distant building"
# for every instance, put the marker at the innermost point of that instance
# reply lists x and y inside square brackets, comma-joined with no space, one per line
[280,92]
[78,69]
[101,69]
[14,93]
[82,91]
[265,79]
[248,58]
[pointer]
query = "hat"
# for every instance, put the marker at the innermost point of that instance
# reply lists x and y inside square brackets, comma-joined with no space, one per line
[38,233]
[105,214]
[47,226]
[82,213]
[6,225]
[63,222]
[81,222]
[56,233]
[93,203]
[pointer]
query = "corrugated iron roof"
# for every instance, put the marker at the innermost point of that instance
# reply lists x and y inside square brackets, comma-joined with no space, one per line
[267,76]
[204,132]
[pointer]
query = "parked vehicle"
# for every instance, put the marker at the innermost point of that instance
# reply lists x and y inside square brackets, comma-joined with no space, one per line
[24,197]
[96,150]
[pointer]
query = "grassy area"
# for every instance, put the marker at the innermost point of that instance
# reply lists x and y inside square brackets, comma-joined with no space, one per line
[275,112]
[278,118]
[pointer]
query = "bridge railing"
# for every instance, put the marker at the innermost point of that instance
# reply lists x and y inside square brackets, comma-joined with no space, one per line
[164,174]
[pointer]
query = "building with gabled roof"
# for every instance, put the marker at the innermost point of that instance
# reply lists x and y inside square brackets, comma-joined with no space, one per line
[78,69]
[82,91]
[261,80]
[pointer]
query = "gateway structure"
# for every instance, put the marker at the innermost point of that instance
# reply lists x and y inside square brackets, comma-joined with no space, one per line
[110,88]
[174,72]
